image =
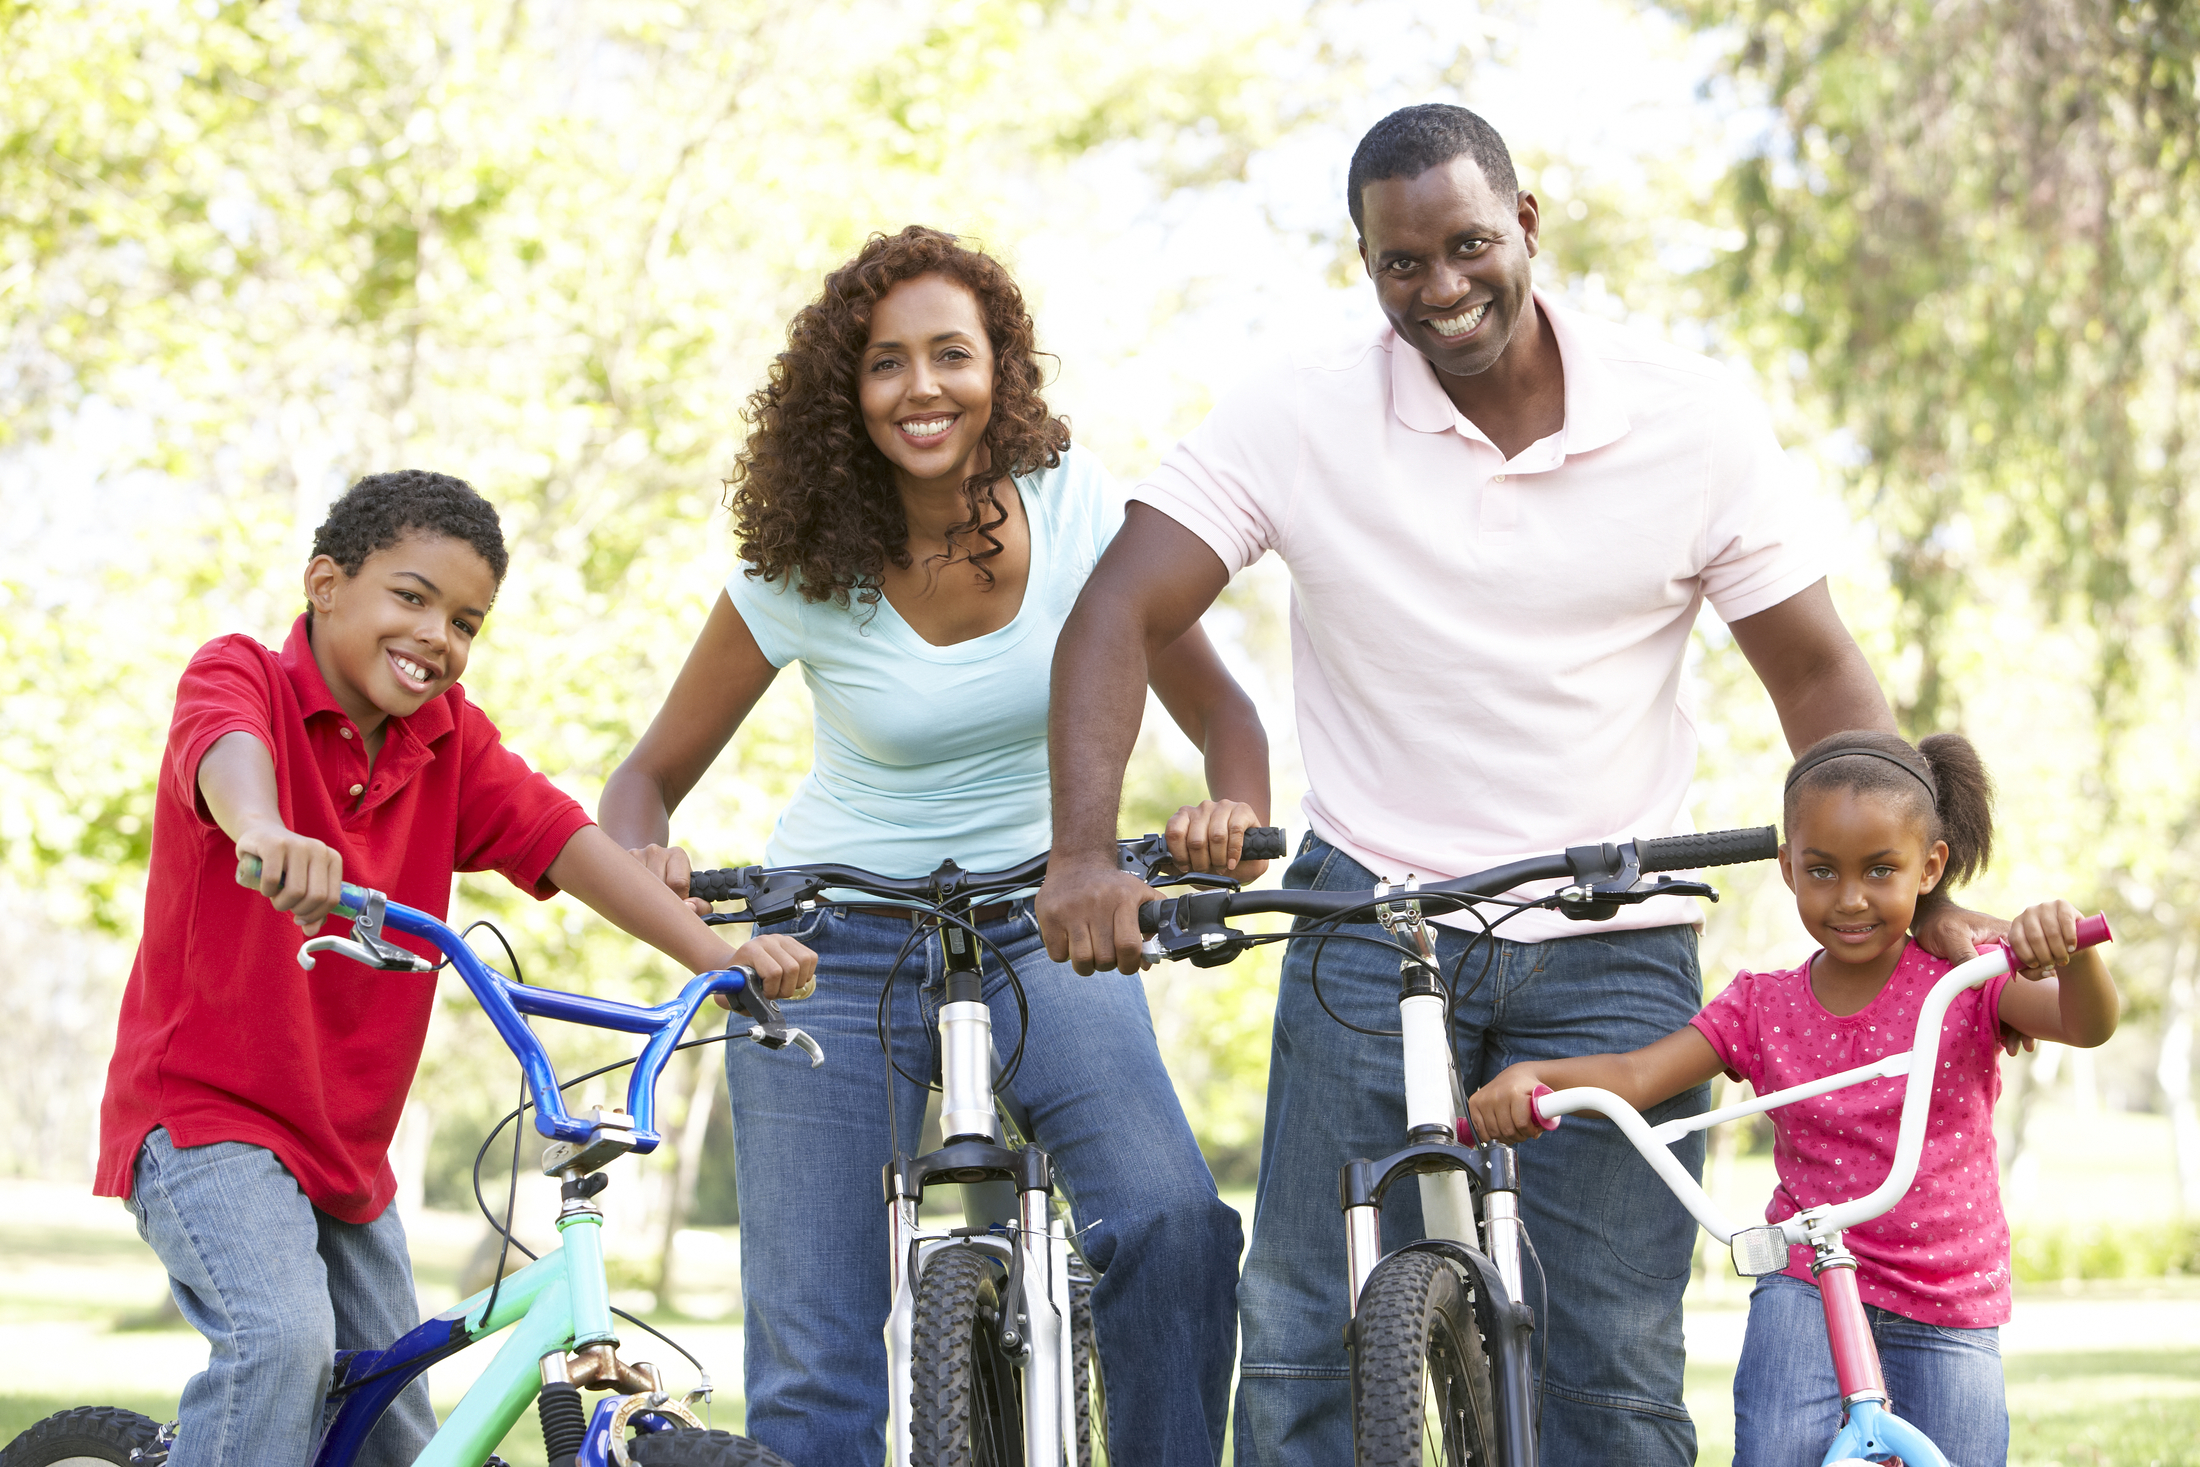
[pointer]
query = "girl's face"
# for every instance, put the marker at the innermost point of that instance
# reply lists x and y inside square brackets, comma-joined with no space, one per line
[1857,863]
[925,380]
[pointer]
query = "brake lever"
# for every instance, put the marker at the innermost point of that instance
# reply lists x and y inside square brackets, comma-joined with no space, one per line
[770,1028]
[366,945]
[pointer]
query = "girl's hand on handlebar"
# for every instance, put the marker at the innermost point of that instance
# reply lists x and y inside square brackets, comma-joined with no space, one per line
[298,874]
[784,968]
[670,865]
[1210,836]
[1500,1109]
[2043,938]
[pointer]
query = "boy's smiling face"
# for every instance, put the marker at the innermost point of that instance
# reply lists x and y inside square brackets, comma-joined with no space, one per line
[397,634]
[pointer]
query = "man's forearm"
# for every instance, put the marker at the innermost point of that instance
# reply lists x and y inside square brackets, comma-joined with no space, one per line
[1840,695]
[1097,702]
[1236,749]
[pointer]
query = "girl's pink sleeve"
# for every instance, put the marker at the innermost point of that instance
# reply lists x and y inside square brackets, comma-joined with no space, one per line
[1727,1023]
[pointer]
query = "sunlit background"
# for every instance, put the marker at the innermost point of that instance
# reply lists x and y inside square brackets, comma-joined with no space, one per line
[249,252]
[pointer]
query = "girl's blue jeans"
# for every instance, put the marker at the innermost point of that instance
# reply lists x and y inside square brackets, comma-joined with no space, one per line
[809,1147]
[277,1286]
[1614,1243]
[1945,1382]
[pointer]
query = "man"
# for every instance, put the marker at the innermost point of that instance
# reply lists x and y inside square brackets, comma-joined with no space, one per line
[1500,519]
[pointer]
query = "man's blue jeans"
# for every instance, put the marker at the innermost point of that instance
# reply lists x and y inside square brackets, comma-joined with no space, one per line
[277,1286]
[809,1146]
[1946,1382]
[1614,1243]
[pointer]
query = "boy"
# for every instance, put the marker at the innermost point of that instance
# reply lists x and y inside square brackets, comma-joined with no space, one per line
[250,1104]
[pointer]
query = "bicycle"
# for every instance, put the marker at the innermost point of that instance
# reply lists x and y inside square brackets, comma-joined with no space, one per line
[1439,1333]
[981,1313]
[558,1309]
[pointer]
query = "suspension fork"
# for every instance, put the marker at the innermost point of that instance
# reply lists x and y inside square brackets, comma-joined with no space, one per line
[1434,1097]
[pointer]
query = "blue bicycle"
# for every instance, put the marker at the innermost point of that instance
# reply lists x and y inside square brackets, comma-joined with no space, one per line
[563,1336]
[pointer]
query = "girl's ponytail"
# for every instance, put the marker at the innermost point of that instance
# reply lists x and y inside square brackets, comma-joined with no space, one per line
[1965,805]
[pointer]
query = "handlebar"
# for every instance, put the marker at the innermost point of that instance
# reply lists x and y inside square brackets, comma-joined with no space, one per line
[505,1002]
[1918,1064]
[1601,879]
[777,893]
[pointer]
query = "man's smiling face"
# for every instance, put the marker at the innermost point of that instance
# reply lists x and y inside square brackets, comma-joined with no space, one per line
[1449,259]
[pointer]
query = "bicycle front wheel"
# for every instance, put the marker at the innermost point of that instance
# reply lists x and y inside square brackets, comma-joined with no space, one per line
[87,1437]
[1421,1389]
[966,1396]
[1084,1353]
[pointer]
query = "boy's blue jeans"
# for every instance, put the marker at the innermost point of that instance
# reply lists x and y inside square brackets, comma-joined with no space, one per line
[1614,1243]
[809,1146]
[1787,1406]
[277,1287]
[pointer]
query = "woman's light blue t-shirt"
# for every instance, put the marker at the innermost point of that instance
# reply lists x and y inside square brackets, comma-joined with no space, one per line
[931,753]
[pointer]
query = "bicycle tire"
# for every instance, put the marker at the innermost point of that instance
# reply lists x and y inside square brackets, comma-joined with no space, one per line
[966,1397]
[1421,1388]
[685,1446]
[86,1436]
[1092,1394]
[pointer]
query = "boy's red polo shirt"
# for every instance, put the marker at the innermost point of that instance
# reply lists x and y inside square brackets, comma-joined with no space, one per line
[223,1037]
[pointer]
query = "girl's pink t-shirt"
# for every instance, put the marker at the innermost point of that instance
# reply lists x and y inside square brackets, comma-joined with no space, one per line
[1941,1256]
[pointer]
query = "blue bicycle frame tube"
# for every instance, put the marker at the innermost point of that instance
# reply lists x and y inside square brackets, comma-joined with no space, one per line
[505,1002]
[1872,1432]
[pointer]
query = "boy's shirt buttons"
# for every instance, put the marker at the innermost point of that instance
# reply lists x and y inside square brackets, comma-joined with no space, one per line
[345,732]
[355,789]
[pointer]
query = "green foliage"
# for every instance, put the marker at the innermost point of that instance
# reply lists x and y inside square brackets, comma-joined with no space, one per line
[2107,1249]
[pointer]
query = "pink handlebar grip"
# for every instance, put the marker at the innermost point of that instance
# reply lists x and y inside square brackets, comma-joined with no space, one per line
[1548,1123]
[2093,930]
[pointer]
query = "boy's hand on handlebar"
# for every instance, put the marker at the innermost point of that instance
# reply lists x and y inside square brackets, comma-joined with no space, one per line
[1500,1110]
[784,968]
[2043,938]
[670,865]
[1210,836]
[1088,914]
[298,874]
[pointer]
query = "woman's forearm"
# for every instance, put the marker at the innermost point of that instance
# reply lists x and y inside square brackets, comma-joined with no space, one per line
[1236,750]
[633,810]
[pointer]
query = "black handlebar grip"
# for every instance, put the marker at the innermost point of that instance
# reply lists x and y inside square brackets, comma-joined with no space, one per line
[1149,918]
[715,886]
[1708,848]
[1264,843]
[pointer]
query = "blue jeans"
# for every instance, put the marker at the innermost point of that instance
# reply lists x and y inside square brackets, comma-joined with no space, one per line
[1945,1382]
[1614,1243]
[277,1286]
[809,1146]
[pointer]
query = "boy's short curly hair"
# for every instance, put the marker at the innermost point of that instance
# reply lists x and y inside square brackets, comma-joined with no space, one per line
[382,509]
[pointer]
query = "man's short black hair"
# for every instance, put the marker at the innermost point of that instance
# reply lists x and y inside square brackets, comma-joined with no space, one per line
[382,509]
[1412,140]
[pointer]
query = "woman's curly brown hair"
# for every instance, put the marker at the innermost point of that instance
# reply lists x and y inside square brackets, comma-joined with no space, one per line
[812,497]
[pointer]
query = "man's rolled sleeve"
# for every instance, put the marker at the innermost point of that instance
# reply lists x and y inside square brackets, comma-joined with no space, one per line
[1759,544]
[1230,479]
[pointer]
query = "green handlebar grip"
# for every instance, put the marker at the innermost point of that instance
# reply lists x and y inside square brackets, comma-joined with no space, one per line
[352,902]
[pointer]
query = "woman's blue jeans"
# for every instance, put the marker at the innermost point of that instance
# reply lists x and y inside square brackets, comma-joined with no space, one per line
[1614,1243]
[1787,1406]
[809,1147]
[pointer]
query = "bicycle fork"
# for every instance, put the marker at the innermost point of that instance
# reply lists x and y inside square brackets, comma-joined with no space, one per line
[1440,1154]
[1008,1200]
[1869,1428]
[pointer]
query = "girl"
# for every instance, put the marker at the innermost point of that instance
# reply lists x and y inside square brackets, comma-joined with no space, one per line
[914,527]
[1872,825]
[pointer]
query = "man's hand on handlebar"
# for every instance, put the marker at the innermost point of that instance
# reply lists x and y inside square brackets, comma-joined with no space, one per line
[1088,912]
[670,865]
[1210,836]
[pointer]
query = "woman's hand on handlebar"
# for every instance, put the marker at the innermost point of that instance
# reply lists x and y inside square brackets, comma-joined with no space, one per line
[1210,836]
[783,967]
[1500,1110]
[670,865]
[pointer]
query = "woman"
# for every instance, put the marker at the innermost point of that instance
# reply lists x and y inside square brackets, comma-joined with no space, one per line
[914,527]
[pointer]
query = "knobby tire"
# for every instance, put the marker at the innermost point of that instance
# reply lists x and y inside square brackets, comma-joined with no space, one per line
[83,1437]
[966,1398]
[1092,1396]
[1421,1390]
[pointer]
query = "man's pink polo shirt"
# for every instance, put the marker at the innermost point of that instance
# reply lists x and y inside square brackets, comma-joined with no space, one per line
[1486,654]
[222,1036]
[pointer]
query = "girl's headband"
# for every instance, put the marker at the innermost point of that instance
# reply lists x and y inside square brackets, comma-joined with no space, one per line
[1931,791]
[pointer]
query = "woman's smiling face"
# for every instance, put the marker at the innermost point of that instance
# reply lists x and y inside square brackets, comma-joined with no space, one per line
[925,380]
[1857,863]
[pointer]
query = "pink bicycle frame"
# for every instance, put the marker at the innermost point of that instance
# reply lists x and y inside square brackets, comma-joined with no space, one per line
[1870,1430]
